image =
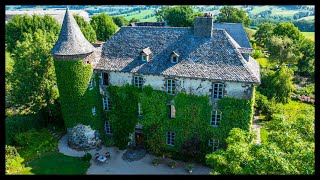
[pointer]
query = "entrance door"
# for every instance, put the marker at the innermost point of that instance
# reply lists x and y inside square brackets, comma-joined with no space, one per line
[139,139]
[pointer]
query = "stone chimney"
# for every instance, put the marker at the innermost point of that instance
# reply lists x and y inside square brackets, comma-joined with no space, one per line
[203,25]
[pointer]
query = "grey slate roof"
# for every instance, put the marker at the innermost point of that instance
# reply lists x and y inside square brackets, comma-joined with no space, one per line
[214,58]
[236,31]
[71,41]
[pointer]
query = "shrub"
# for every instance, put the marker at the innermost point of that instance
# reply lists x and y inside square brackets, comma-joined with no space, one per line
[261,103]
[34,143]
[13,160]
[189,167]
[21,123]
[86,157]
[257,54]
[172,164]
[156,161]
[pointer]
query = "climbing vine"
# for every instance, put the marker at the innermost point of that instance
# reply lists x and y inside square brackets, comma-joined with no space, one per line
[192,119]
[77,100]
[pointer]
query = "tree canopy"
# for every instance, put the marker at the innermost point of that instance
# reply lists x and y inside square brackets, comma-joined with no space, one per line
[120,21]
[264,32]
[307,63]
[27,24]
[86,29]
[179,16]
[133,20]
[33,73]
[104,26]
[233,15]
[287,29]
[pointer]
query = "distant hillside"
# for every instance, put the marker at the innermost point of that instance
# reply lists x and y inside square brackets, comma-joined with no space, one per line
[258,14]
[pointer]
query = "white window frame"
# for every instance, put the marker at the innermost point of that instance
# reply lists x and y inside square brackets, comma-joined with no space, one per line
[138,81]
[106,103]
[170,138]
[215,118]
[171,86]
[214,143]
[93,110]
[218,93]
[107,127]
[102,78]
[177,59]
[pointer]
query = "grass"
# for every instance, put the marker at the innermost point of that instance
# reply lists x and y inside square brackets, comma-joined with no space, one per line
[138,15]
[295,108]
[263,135]
[309,35]
[57,163]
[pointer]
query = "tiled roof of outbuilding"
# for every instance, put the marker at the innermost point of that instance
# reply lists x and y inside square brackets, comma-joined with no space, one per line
[215,58]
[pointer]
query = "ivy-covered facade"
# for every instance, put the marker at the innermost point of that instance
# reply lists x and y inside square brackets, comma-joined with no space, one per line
[146,87]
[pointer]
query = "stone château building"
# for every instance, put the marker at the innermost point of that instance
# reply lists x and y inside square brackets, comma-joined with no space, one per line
[211,59]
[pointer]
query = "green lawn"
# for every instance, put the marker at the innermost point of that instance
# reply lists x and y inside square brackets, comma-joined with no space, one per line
[57,163]
[309,35]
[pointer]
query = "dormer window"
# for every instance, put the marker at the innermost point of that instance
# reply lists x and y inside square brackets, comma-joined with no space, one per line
[174,57]
[146,54]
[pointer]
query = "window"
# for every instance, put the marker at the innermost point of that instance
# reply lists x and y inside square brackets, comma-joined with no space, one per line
[90,84]
[215,118]
[214,143]
[105,78]
[170,138]
[106,104]
[93,111]
[174,59]
[171,86]
[218,90]
[138,81]
[172,111]
[107,127]
[144,57]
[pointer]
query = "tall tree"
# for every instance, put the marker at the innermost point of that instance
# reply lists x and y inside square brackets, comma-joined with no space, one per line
[27,24]
[306,64]
[9,67]
[287,29]
[86,29]
[179,16]
[233,15]
[104,26]
[282,83]
[120,21]
[264,32]
[33,76]
[282,50]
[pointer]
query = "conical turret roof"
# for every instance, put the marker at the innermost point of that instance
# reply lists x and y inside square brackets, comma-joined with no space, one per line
[71,41]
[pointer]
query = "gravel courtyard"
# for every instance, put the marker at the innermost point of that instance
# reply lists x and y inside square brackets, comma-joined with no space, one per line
[116,165]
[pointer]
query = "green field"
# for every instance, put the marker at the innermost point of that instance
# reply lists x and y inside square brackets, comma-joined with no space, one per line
[309,35]
[141,15]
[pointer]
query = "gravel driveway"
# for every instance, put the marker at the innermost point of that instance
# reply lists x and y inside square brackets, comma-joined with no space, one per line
[116,165]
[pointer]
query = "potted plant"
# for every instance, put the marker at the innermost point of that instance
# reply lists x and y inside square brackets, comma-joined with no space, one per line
[172,164]
[156,161]
[189,168]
